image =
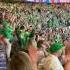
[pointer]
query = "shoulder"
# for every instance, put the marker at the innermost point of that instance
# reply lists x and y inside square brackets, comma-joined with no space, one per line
[53,62]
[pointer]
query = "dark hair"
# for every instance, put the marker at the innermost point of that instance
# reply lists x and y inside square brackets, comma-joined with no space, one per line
[39,44]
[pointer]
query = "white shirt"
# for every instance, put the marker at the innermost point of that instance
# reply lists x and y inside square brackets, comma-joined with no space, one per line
[51,63]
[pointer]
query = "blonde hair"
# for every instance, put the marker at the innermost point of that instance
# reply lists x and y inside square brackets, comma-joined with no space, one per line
[21,61]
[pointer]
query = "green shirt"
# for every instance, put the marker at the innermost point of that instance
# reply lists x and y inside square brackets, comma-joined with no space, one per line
[23,37]
[7,30]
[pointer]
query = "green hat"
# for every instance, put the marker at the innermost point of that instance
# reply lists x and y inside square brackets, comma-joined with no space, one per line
[55,47]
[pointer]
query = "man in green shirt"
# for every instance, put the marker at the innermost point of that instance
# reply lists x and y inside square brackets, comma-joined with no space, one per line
[23,36]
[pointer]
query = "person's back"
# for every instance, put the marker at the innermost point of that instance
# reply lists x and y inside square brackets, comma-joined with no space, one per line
[67,55]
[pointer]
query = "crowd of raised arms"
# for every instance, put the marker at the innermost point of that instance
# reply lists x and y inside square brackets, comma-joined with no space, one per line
[45,46]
